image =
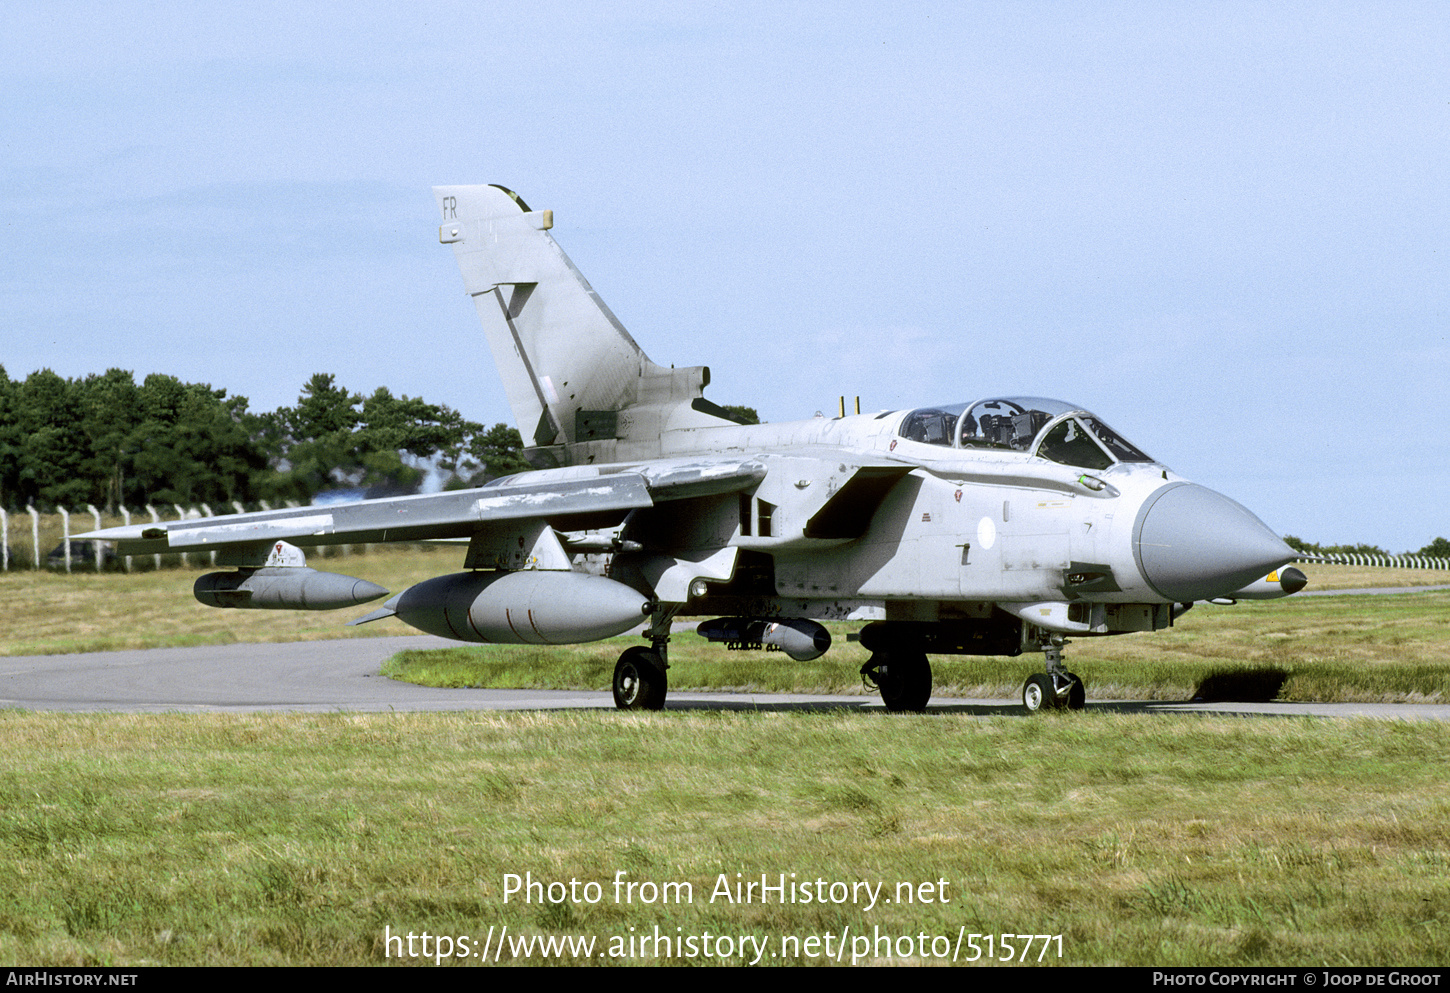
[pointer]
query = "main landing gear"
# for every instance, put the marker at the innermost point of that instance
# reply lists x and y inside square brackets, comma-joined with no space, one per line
[903,676]
[1056,687]
[639,675]
[639,680]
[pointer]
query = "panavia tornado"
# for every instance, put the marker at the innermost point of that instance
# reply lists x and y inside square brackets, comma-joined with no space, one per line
[992,527]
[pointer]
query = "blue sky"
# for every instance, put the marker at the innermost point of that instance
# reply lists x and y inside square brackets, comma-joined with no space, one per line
[1223,227]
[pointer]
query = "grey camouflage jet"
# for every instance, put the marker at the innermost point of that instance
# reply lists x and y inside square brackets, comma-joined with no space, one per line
[994,527]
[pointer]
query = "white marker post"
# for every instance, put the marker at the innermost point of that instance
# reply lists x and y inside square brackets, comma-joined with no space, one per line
[181,516]
[155,519]
[206,512]
[65,535]
[96,545]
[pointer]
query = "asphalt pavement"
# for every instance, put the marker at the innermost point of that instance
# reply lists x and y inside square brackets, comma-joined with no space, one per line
[343,675]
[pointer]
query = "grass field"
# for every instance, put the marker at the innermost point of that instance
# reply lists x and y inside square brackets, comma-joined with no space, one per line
[304,839]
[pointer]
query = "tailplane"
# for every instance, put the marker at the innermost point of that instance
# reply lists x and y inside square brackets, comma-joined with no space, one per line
[580,388]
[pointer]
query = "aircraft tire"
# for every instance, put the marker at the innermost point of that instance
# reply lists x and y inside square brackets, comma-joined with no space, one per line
[639,680]
[1077,695]
[906,684]
[1038,693]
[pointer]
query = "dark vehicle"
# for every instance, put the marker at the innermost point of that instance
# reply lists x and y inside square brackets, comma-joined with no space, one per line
[82,553]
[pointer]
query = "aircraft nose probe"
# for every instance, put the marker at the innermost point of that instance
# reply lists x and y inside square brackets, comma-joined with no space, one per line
[1192,543]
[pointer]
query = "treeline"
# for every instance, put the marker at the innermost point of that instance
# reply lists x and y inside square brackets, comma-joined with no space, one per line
[1439,549]
[108,440]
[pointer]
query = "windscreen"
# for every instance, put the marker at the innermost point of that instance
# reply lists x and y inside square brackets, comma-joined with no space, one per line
[1052,429]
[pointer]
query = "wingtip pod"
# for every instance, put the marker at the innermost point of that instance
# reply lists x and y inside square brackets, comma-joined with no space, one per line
[284,589]
[1279,583]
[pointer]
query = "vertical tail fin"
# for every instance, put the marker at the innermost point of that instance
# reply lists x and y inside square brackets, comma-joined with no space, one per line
[580,388]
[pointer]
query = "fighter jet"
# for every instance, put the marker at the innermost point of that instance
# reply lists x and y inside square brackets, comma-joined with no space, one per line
[991,527]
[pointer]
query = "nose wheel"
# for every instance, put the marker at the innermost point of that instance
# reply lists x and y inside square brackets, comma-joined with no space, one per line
[1056,688]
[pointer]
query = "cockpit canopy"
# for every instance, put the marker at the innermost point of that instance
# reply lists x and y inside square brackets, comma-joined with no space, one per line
[1052,429]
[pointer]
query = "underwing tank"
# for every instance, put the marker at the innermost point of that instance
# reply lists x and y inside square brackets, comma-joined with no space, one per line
[530,607]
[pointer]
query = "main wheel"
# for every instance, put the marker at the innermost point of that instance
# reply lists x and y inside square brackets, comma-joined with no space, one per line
[904,679]
[639,680]
[1076,694]
[1038,693]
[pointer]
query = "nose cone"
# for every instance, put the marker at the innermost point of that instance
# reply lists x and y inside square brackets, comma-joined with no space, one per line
[1194,544]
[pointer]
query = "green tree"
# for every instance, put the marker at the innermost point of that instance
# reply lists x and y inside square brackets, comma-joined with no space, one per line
[400,435]
[193,445]
[492,453]
[107,440]
[1439,549]
[741,415]
[1356,550]
[110,411]
[314,452]
[334,438]
[48,465]
[9,439]
[1308,548]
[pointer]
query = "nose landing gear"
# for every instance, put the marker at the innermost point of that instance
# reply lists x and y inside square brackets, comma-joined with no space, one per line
[1055,688]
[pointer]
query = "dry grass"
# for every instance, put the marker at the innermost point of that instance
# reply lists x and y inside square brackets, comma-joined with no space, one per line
[1354,577]
[52,612]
